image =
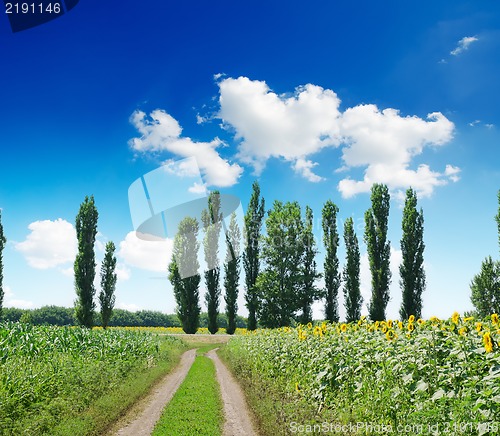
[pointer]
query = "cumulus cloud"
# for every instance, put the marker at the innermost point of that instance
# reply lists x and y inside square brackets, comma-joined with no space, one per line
[10,301]
[50,244]
[122,272]
[281,126]
[198,188]
[124,306]
[161,132]
[385,142]
[149,255]
[463,45]
[294,127]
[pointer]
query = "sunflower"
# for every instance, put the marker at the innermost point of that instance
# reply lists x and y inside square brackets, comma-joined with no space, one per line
[479,327]
[462,331]
[420,321]
[318,331]
[309,325]
[389,323]
[488,342]
[384,329]
[494,319]
[411,318]
[400,325]
[411,327]
[390,335]
[343,328]
[455,317]
[297,388]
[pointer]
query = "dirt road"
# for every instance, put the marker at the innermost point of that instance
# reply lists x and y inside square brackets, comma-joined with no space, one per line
[142,419]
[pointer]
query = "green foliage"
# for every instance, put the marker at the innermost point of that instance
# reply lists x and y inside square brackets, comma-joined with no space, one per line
[232,273]
[432,372]
[411,269]
[497,218]
[3,241]
[251,254]
[308,291]
[108,284]
[52,374]
[485,288]
[196,408]
[280,283]
[379,250]
[212,219]
[331,264]
[84,267]
[352,292]
[184,262]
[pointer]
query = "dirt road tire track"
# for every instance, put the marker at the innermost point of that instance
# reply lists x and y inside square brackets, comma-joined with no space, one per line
[237,418]
[143,424]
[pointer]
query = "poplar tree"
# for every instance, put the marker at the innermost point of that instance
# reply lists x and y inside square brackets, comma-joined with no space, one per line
[108,284]
[84,266]
[3,241]
[309,291]
[379,250]
[251,261]
[212,219]
[411,269]
[184,276]
[352,292]
[282,252]
[232,273]
[331,263]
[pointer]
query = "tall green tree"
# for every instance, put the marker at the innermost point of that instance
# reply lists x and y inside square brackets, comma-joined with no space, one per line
[497,219]
[212,219]
[309,292]
[3,241]
[183,274]
[251,261]
[331,263]
[352,293]
[232,273]
[411,269]
[282,251]
[485,288]
[84,267]
[108,284]
[379,250]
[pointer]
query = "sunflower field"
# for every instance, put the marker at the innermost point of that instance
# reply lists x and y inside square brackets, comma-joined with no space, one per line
[427,376]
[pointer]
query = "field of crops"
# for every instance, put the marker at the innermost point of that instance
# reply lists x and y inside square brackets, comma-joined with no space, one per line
[51,374]
[418,377]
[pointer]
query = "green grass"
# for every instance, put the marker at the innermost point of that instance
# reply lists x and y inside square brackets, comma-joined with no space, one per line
[196,408]
[56,380]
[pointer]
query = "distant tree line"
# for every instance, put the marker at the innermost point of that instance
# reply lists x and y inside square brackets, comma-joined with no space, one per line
[281,273]
[64,316]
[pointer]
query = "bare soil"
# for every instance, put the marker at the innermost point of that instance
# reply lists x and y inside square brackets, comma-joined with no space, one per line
[237,415]
[140,421]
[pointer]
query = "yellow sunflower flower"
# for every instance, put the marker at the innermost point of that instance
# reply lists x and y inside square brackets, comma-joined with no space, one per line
[411,327]
[488,342]
[390,335]
[411,318]
[494,319]
[455,317]
[343,328]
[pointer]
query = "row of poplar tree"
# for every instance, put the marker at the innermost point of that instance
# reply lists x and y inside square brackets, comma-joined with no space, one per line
[281,272]
[84,268]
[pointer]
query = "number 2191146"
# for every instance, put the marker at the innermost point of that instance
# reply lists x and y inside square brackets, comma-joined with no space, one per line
[32,8]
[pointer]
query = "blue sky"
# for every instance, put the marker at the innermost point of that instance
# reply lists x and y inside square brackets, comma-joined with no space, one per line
[315,101]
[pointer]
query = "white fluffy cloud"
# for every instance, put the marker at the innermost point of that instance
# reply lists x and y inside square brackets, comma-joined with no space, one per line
[147,255]
[50,243]
[294,127]
[10,301]
[161,132]
[385,142]
[463,45]
[282,126]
